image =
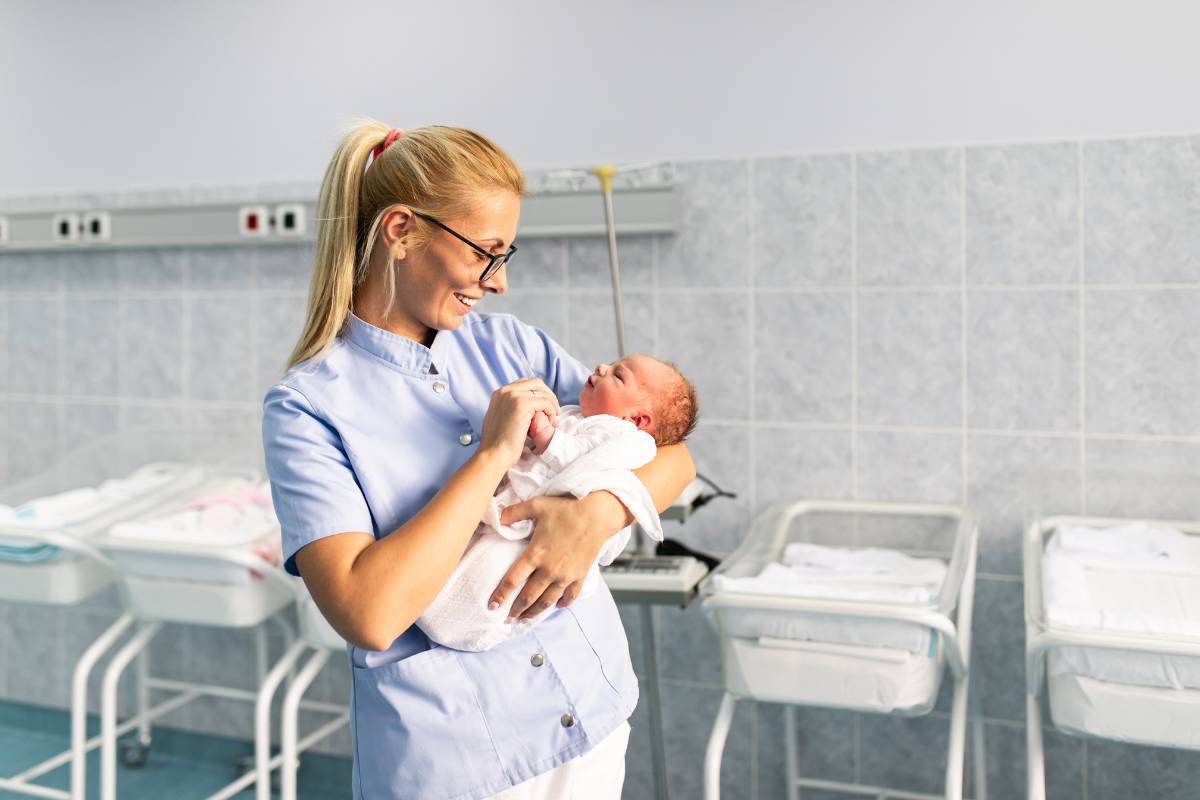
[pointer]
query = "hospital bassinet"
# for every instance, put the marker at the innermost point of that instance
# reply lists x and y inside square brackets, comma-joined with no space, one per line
[1112,603]
[874,646]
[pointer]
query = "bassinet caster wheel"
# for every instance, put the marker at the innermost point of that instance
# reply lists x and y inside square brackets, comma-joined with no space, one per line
[246,764]
[134,752]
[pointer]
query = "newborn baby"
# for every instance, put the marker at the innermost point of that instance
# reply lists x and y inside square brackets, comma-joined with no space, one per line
[625,411]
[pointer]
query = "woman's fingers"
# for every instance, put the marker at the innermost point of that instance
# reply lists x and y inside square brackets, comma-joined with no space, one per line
[571,594]
[548,598]
[512,580]
[535,587]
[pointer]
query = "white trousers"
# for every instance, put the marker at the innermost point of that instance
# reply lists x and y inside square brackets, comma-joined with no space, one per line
[596,775]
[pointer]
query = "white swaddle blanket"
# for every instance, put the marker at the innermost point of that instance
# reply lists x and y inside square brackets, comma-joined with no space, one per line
[586,454]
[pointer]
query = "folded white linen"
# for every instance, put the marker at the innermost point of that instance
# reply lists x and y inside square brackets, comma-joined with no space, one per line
[586,454]
[1134,578]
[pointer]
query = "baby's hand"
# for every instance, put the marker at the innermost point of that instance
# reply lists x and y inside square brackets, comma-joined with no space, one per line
[541,430]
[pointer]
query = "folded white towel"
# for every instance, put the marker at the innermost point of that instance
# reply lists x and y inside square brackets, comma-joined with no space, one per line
[586,454]
[1135,578]
[869,575]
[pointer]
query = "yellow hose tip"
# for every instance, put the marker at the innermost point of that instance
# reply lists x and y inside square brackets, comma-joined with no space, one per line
[605,173]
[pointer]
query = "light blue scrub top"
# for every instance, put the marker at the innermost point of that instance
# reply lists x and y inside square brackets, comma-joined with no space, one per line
[360,439]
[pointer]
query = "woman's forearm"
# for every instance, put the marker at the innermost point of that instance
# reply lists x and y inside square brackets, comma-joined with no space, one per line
[388,583]
[665,478]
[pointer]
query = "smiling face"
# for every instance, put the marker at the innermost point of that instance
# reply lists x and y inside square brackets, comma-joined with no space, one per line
[437,281]
[625,389]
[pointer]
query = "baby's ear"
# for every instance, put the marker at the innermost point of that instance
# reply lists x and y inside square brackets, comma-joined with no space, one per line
[641,419]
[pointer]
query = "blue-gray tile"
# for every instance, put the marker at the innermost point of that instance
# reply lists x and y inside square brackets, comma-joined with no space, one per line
[592,327]
[221,353]
[803,208]
[33,436]
[87,435]
[286,267]
[545,310]
[38,676]
[910,358]
[221,656]
[631,620]
[1119,771]
[280,321]
[1142,349]
[998,661]
[539,265]
[1023,360]
[33,332]
[707,335]
[793,463]
[721,452]
[826,742]
[90,270]
[1022,214]
[222,268]
[92,332]
[588,262]
[1006,764]
[688,714]
[1142,210]
[1132,478]
[151,357]
[32,272]
[712,245]
[909,218]
[998,468]
[5,376]
[910,466]
[803,356]
[905,752]
[152,270]
[687,645]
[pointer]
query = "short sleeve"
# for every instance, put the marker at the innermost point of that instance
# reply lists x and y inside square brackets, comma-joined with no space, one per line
[313,485]
[561,371]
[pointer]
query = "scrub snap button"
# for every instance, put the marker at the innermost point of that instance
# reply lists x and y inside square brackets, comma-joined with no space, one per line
[439,387]
[567,720]
[537,660]
[465,439]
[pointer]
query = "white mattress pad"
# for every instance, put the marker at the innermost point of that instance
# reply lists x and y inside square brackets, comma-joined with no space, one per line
[1132,578]
[814,571]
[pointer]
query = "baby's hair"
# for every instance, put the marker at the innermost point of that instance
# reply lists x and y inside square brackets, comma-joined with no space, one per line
[677,409]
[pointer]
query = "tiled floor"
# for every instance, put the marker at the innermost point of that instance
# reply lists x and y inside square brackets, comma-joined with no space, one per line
[181,765]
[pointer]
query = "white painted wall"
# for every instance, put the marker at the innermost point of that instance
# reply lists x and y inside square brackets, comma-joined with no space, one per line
[142,93]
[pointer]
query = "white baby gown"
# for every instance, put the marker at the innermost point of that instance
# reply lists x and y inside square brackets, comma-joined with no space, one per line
[586,454]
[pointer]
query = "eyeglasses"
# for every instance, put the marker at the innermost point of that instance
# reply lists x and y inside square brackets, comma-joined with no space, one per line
[495,261]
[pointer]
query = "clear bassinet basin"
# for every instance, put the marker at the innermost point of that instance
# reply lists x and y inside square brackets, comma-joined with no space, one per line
[830,603]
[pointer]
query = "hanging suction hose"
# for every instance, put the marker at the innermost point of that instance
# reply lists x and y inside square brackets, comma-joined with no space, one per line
[605,173]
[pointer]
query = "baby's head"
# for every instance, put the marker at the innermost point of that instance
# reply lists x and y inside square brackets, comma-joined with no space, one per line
[651,394]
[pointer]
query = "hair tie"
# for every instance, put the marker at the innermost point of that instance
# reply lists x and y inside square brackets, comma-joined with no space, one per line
[393,135]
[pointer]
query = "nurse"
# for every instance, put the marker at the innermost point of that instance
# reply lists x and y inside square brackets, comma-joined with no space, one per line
[400,412]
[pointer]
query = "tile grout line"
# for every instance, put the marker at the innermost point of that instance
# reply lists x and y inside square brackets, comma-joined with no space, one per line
[1082,301]
[854,489]
[752,412]
[963,372]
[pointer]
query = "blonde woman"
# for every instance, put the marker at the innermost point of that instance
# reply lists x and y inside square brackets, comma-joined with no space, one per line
[402,408]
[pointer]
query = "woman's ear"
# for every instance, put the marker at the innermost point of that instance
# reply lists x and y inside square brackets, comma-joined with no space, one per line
[394,229]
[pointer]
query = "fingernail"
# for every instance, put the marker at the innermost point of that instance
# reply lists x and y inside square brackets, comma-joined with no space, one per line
[492,606]
[508,620]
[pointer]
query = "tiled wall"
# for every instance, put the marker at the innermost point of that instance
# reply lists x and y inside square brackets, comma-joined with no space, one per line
[919,325]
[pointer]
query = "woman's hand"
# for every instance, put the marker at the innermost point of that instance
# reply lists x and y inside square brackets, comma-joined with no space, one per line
[567,536]
[506,423]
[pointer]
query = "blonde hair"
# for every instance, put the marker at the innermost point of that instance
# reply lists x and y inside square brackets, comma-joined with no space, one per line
[436,170]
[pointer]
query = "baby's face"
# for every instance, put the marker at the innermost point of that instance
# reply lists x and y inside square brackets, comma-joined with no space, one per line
[624,389]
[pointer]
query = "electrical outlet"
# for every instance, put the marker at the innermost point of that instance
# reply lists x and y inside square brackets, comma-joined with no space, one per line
[289,219]
[97,226]
[254,221]
[65,228]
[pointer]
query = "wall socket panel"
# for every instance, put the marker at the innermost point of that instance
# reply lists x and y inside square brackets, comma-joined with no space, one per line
[638,210]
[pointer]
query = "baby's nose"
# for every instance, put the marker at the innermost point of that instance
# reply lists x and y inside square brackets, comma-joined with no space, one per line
[601,369]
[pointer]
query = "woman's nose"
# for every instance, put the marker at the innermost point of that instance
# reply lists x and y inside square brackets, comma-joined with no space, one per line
[497,282]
